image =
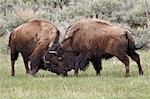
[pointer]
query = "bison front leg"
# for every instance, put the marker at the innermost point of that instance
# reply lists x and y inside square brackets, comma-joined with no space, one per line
[34,66]
[76,71]
[64,74]
[35,58]
[33,70]
[81,62]
[97,65]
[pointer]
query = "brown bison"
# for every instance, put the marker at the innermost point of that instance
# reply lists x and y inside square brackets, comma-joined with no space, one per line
[93,40]
[32,39]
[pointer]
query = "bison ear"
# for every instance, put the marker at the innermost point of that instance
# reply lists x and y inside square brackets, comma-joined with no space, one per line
[53,52]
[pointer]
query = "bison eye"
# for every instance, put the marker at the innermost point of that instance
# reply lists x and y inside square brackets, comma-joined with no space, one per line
[60,58]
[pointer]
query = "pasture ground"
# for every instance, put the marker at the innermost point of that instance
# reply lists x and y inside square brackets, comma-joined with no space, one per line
[111,83]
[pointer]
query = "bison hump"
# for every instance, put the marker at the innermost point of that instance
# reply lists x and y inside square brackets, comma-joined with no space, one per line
[70,33]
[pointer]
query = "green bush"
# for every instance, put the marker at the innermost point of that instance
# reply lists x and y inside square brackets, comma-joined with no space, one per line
[131,13]
[142,37]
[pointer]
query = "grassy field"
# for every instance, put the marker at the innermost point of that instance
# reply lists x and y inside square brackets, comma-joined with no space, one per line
[111,83]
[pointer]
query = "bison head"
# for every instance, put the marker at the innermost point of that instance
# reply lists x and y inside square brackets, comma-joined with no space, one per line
[58,60]
[58,57]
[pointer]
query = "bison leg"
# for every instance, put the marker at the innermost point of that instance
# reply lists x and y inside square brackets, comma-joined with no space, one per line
[34,67]
[14,56]
[76,69]
[76,72]
[64,74]
[26,66]
[33,71]
[12,68]
[26,60]
[136,58]
[81,61]
[97,65]
[125,60]
[78,60]
[35,58]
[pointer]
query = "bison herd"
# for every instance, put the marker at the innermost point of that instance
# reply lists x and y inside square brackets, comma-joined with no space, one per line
[89,40]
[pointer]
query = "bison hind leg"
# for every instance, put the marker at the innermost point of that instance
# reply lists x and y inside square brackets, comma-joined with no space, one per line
[124,59]
[136,58]
[14,56]
[26,60]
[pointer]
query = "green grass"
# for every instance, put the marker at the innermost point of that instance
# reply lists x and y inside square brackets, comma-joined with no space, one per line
[111,83]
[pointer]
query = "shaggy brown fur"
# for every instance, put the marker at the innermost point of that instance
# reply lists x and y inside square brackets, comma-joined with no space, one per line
[31,39]
[97,39]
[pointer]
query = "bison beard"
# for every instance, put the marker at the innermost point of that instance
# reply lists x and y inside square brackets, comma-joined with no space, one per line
[53,67]
[94,40]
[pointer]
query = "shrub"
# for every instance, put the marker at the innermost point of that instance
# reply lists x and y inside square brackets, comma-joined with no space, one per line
[131,13]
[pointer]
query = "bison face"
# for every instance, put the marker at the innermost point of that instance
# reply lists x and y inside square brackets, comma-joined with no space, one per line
[51,62]
[58,60]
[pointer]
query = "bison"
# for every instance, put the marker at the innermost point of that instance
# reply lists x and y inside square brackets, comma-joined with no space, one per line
[93,40]
[32,39]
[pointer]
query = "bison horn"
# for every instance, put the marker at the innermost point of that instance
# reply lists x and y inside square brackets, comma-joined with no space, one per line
[53,52]
[50,45]
[44,59]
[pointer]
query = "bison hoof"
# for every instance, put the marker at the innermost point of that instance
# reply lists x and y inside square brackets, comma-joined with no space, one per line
[12,74]
[31,73]
[27,71]
[127,75]
[64,75]
[98,74]
[76,74]
[141,73]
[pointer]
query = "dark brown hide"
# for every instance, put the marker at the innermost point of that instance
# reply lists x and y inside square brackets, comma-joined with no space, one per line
[32,39]
[97,39]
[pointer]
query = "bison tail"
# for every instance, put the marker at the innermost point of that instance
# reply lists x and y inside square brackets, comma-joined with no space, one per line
[131,42]
[10,39]
[139,47]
